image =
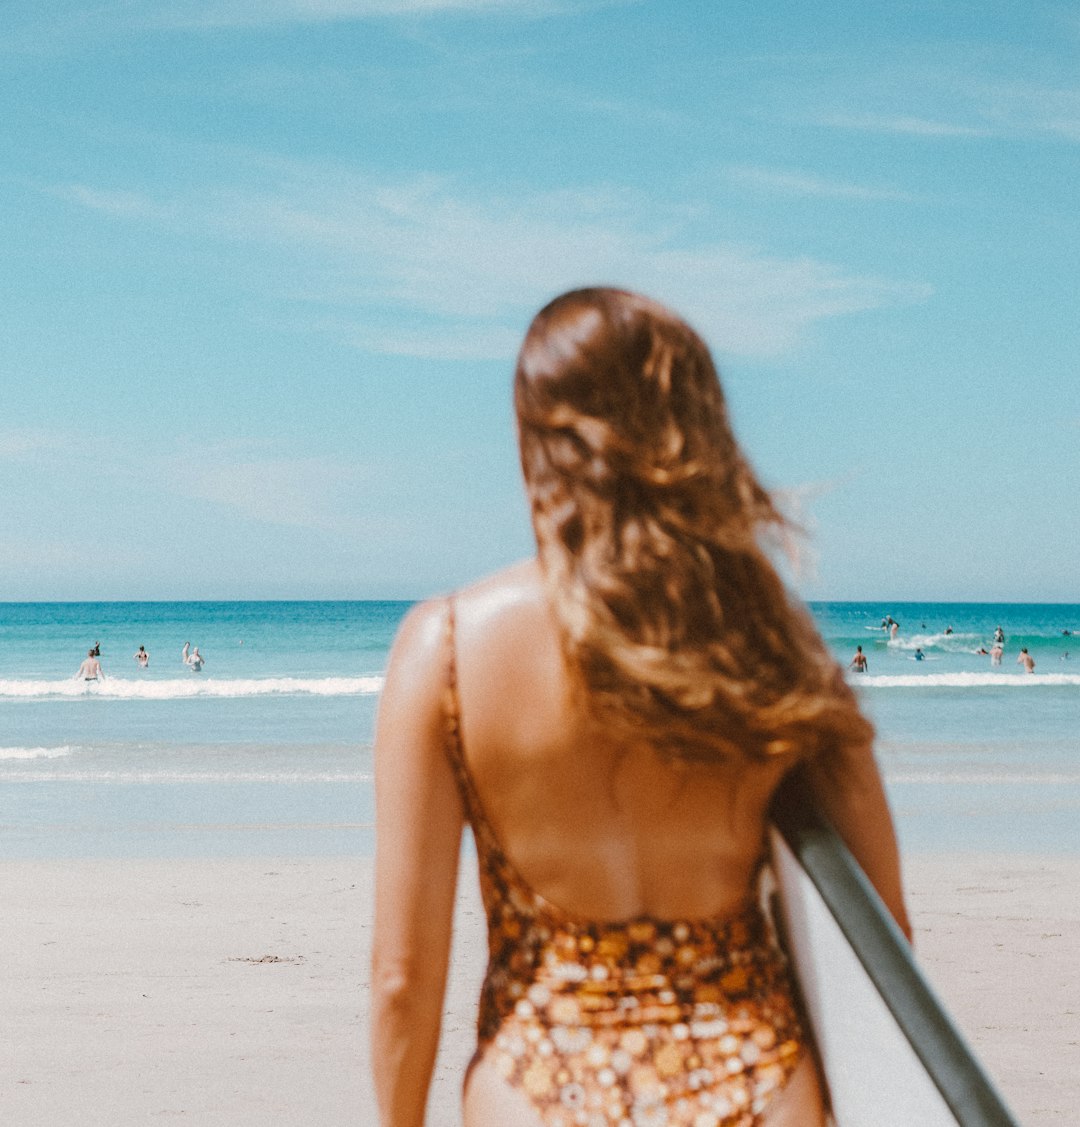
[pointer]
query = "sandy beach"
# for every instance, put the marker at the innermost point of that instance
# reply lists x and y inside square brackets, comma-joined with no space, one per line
[234,992]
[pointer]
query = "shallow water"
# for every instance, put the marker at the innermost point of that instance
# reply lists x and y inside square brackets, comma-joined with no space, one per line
[267,751]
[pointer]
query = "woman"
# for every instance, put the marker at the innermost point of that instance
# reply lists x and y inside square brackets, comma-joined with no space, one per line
[613,719]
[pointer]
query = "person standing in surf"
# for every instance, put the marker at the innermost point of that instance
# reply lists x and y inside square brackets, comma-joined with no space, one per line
[90,670]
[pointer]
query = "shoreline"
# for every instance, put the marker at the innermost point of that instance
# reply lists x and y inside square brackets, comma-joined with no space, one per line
[234,992]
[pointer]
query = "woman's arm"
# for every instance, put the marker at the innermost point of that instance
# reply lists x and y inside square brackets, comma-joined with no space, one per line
[419,821]
[847,786]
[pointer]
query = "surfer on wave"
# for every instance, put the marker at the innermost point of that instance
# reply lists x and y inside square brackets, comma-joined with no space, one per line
[613,718]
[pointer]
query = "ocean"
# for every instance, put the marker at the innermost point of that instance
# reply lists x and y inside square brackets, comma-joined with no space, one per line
[268,750]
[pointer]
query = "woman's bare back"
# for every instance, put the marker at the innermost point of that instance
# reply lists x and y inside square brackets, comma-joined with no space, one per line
[605,832]
[602,832]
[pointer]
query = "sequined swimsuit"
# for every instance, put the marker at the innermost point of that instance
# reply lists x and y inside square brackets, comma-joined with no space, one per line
[637,1023]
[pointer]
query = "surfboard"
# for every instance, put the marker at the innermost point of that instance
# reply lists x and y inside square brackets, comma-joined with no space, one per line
[889,1053]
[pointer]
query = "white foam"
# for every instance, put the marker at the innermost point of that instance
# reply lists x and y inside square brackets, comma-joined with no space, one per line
[34,752]
[965,680]
[963,643]
[985,778]
[167,776]
[117,688]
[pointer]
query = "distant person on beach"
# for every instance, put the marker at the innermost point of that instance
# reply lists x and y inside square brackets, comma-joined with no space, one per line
[859,662]
[613,718]
[142,657]
[894,629]
[999,636]
[997,651]
[194,660]
[948,630]
[919,655]
[1026,660]
[90,670]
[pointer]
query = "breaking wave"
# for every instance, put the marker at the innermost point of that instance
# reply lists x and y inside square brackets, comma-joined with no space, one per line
[116,688]
[965,680]
[34,752]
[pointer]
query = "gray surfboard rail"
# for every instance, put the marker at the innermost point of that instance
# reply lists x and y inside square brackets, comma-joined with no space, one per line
[887,958]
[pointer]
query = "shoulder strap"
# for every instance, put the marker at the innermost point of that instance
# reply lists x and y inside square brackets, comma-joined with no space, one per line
[455,747]
[486,839]
[451,701]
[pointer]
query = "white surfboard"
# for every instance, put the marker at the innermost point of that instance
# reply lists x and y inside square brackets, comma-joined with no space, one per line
[889,1053]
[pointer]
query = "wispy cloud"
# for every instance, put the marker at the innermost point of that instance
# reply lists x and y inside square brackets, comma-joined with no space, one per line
[422,267]
[804,184]
[312,493]
[902,123]
[1027,106]
[963,94]
[127,204]
[254,13]
[47,28]
[25,444]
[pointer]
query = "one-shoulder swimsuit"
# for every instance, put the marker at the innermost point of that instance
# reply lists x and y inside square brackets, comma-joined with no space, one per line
[642,1022]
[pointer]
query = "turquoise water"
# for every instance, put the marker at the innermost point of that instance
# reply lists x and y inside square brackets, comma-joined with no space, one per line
[267,750]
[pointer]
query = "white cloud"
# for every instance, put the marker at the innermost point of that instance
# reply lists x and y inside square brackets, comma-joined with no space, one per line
[1028,106]
[208,14]
[419,268]
[311,493]
[903,123]
[44,29]
[804,184]
[467,341]
[22,445]
[133,205]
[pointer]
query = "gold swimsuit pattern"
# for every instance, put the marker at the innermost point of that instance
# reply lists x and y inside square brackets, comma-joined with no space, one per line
[637,1023]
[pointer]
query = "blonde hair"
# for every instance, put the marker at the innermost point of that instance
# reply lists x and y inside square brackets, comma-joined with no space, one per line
[648,520]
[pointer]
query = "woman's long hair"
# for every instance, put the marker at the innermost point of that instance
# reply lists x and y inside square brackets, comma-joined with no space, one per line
[648,520]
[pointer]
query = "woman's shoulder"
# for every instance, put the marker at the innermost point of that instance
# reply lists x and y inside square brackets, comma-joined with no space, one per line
[511,590]
[504,614]
[511,595]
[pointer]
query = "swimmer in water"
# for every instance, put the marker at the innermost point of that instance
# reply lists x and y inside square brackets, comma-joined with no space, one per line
[194,661]
[90,670]
[999,636]
[919,655]
[1026,660]
[859,662]
[996,653]
[142,657]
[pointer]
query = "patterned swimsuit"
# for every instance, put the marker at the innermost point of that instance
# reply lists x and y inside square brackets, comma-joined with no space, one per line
[637,1023]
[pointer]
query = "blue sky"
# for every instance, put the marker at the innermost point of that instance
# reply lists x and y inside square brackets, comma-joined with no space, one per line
[266,265]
